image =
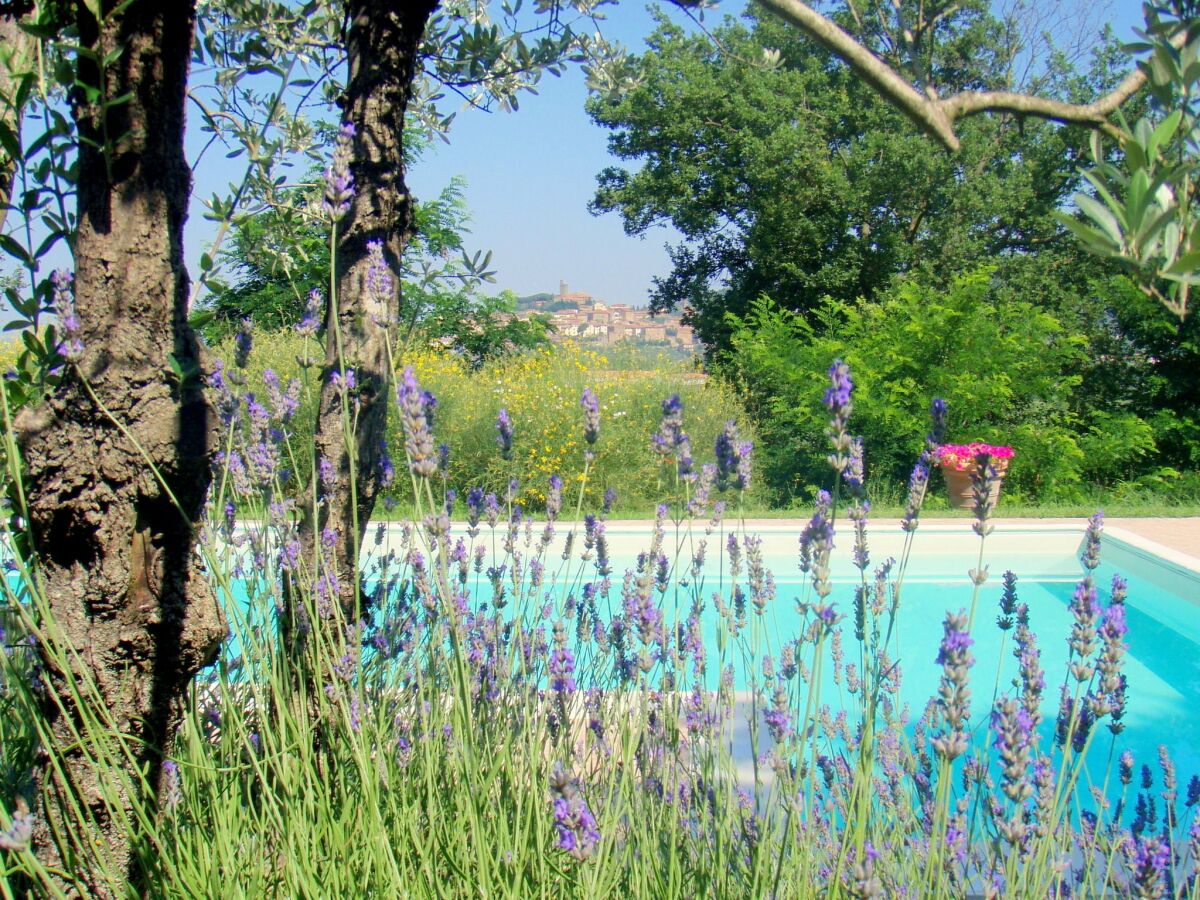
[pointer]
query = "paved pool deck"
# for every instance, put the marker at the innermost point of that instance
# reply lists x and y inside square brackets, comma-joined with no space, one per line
[1180,534]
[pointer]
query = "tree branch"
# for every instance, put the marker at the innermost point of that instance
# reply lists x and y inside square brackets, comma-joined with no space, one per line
[936,116]
[926,114]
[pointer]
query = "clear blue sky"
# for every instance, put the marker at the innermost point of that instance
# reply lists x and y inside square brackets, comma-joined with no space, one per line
[531,173]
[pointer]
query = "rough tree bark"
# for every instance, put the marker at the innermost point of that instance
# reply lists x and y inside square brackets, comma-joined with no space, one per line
[382,42]
[130,606]
[18,46]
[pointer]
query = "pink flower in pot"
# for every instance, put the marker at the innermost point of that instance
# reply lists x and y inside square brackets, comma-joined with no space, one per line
[959,462]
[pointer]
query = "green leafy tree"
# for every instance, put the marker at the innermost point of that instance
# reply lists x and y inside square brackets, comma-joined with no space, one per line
[276,257]
[787,174]
[1156,357]
[483,329]
[1144,215]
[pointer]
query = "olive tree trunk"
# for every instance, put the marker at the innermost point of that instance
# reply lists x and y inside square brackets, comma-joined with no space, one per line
[382,43]
[119,457]
[17,46]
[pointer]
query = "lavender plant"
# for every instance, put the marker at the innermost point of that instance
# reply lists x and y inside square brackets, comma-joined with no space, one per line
[529,702]
[521,707]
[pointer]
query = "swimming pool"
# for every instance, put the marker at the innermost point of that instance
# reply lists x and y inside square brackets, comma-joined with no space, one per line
[1162,664]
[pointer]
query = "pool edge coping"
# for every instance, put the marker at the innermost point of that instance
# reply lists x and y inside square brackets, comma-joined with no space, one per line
[1144,546]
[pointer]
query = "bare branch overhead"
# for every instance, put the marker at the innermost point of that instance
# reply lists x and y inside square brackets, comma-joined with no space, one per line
[934,115]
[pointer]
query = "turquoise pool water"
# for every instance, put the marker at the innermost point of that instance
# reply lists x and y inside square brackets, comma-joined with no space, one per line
[1162,664]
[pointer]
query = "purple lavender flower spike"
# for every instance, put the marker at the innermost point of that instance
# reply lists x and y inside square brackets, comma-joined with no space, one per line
[816,545]
[243,342]
[63,303]
[562,663]
[504,434]
[670,427]
[1014,741]
[343,382]
[684,462]
[837,401]
[1086,613]
[418,439]
[983,479]
[491,507]
[1111,689]
[430,404]
[741,480]
[837,395]
[1125,767]
[937,412]
[19,834]
[310,322]
[919,481]
[954,694]
[853,475]
[733,458]
[474,510]
[380,283]
[1091,553]
[591,416]
[326,470]
[284,402]
[329,538]
[172,792]
[1151,857]
[778,716]
[387,469]
[339,181]
[578,833]
[1008,602]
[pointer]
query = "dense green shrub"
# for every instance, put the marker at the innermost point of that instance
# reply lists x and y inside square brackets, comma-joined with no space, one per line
[1007,368]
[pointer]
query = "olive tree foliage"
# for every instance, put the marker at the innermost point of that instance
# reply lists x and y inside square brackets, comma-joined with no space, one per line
[268,74]
[1141,212]
[1143,215]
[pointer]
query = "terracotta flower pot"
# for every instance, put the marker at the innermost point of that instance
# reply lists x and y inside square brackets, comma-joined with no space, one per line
[959,485]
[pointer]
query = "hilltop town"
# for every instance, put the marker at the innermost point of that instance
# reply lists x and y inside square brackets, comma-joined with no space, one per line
[581,317]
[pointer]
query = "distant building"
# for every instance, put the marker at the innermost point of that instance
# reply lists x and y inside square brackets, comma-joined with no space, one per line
[580,316]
